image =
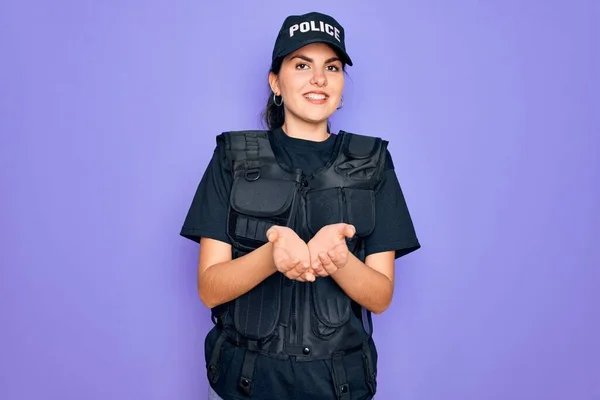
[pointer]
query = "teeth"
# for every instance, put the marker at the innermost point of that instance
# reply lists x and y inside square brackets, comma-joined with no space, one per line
[315,96]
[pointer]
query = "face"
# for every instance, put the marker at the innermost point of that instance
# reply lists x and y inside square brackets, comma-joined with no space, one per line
[311,82]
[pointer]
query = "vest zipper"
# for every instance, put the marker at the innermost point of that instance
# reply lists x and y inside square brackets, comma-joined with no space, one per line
[299,314]
[293,315]
[301,189]
[344,208]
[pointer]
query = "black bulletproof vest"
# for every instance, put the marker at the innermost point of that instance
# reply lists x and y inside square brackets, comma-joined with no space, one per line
[282,317]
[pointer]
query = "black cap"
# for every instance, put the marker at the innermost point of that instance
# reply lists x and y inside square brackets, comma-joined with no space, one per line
[299,30]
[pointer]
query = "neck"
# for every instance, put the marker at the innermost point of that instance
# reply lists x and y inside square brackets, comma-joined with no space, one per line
[299,129]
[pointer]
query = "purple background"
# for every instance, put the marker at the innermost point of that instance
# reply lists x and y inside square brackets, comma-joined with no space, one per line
[108,113]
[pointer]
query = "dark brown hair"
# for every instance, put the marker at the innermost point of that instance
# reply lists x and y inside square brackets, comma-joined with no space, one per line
[273,115]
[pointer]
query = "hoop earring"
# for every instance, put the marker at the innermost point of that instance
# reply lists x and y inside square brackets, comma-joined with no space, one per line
[275,100]
[341,103]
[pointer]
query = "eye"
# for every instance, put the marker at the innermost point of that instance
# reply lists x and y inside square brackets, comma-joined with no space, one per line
[301,66]
[333,68]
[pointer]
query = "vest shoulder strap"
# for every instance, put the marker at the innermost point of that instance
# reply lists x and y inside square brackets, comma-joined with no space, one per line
[246,151]
[362,146]
[361,156]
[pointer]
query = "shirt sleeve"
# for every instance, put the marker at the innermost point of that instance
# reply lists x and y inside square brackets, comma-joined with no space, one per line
[394,229]
[207,215]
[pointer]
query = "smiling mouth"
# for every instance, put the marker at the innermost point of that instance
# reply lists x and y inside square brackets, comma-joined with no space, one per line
[316,96]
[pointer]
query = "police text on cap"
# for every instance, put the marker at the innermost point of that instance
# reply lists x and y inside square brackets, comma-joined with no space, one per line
[312,26]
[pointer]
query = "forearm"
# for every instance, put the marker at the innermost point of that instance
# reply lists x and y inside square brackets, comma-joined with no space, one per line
[368,287]
[228,280]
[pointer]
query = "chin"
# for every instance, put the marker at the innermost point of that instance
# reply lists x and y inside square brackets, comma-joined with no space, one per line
[314,116]
[316,121]
[317,117]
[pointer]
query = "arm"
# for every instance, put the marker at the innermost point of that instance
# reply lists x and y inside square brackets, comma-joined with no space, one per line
[370,284]
[221,279]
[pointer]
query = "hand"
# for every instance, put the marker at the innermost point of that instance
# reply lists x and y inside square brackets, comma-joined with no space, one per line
[290,253]
[328,249]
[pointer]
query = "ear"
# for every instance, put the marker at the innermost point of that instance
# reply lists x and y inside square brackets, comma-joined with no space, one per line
[274,83]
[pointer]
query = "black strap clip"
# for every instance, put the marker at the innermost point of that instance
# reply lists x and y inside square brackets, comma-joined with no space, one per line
[213,367]
[339,376]
[247,375]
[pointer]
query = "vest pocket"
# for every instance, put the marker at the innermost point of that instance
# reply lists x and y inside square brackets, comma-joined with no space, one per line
[331,307]
[257,312]
[256,206]
[324,207]
[332,206]
[360,207]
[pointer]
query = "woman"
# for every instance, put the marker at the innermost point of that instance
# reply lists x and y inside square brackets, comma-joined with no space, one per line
[299,229]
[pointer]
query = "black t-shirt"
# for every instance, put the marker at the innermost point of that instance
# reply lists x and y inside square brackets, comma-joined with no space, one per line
[207,215]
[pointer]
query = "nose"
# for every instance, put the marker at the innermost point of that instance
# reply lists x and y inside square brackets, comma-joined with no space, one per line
[319,79]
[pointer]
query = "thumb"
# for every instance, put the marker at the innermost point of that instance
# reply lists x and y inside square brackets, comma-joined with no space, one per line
[272,234]
[348,230]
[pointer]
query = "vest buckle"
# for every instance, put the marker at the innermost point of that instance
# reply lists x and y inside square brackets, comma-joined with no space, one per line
[252,174]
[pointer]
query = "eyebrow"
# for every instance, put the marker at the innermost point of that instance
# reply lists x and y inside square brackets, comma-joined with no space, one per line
[332,59]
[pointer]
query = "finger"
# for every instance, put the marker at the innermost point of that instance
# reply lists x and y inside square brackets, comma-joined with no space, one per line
[336,258]
[339,255]
[318,268]
[306,276]
[299,268]
[328,264]
[309,276]
[301,278]
[316,265]
[293,272]
[323,273]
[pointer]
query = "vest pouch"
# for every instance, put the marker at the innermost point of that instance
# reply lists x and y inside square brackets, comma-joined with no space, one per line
[360,208]
[331,307]
[256,312]
[255,206]
[324,207]
[351,205]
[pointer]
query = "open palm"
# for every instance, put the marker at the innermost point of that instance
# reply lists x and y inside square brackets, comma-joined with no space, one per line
[328,249]
[290,253]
